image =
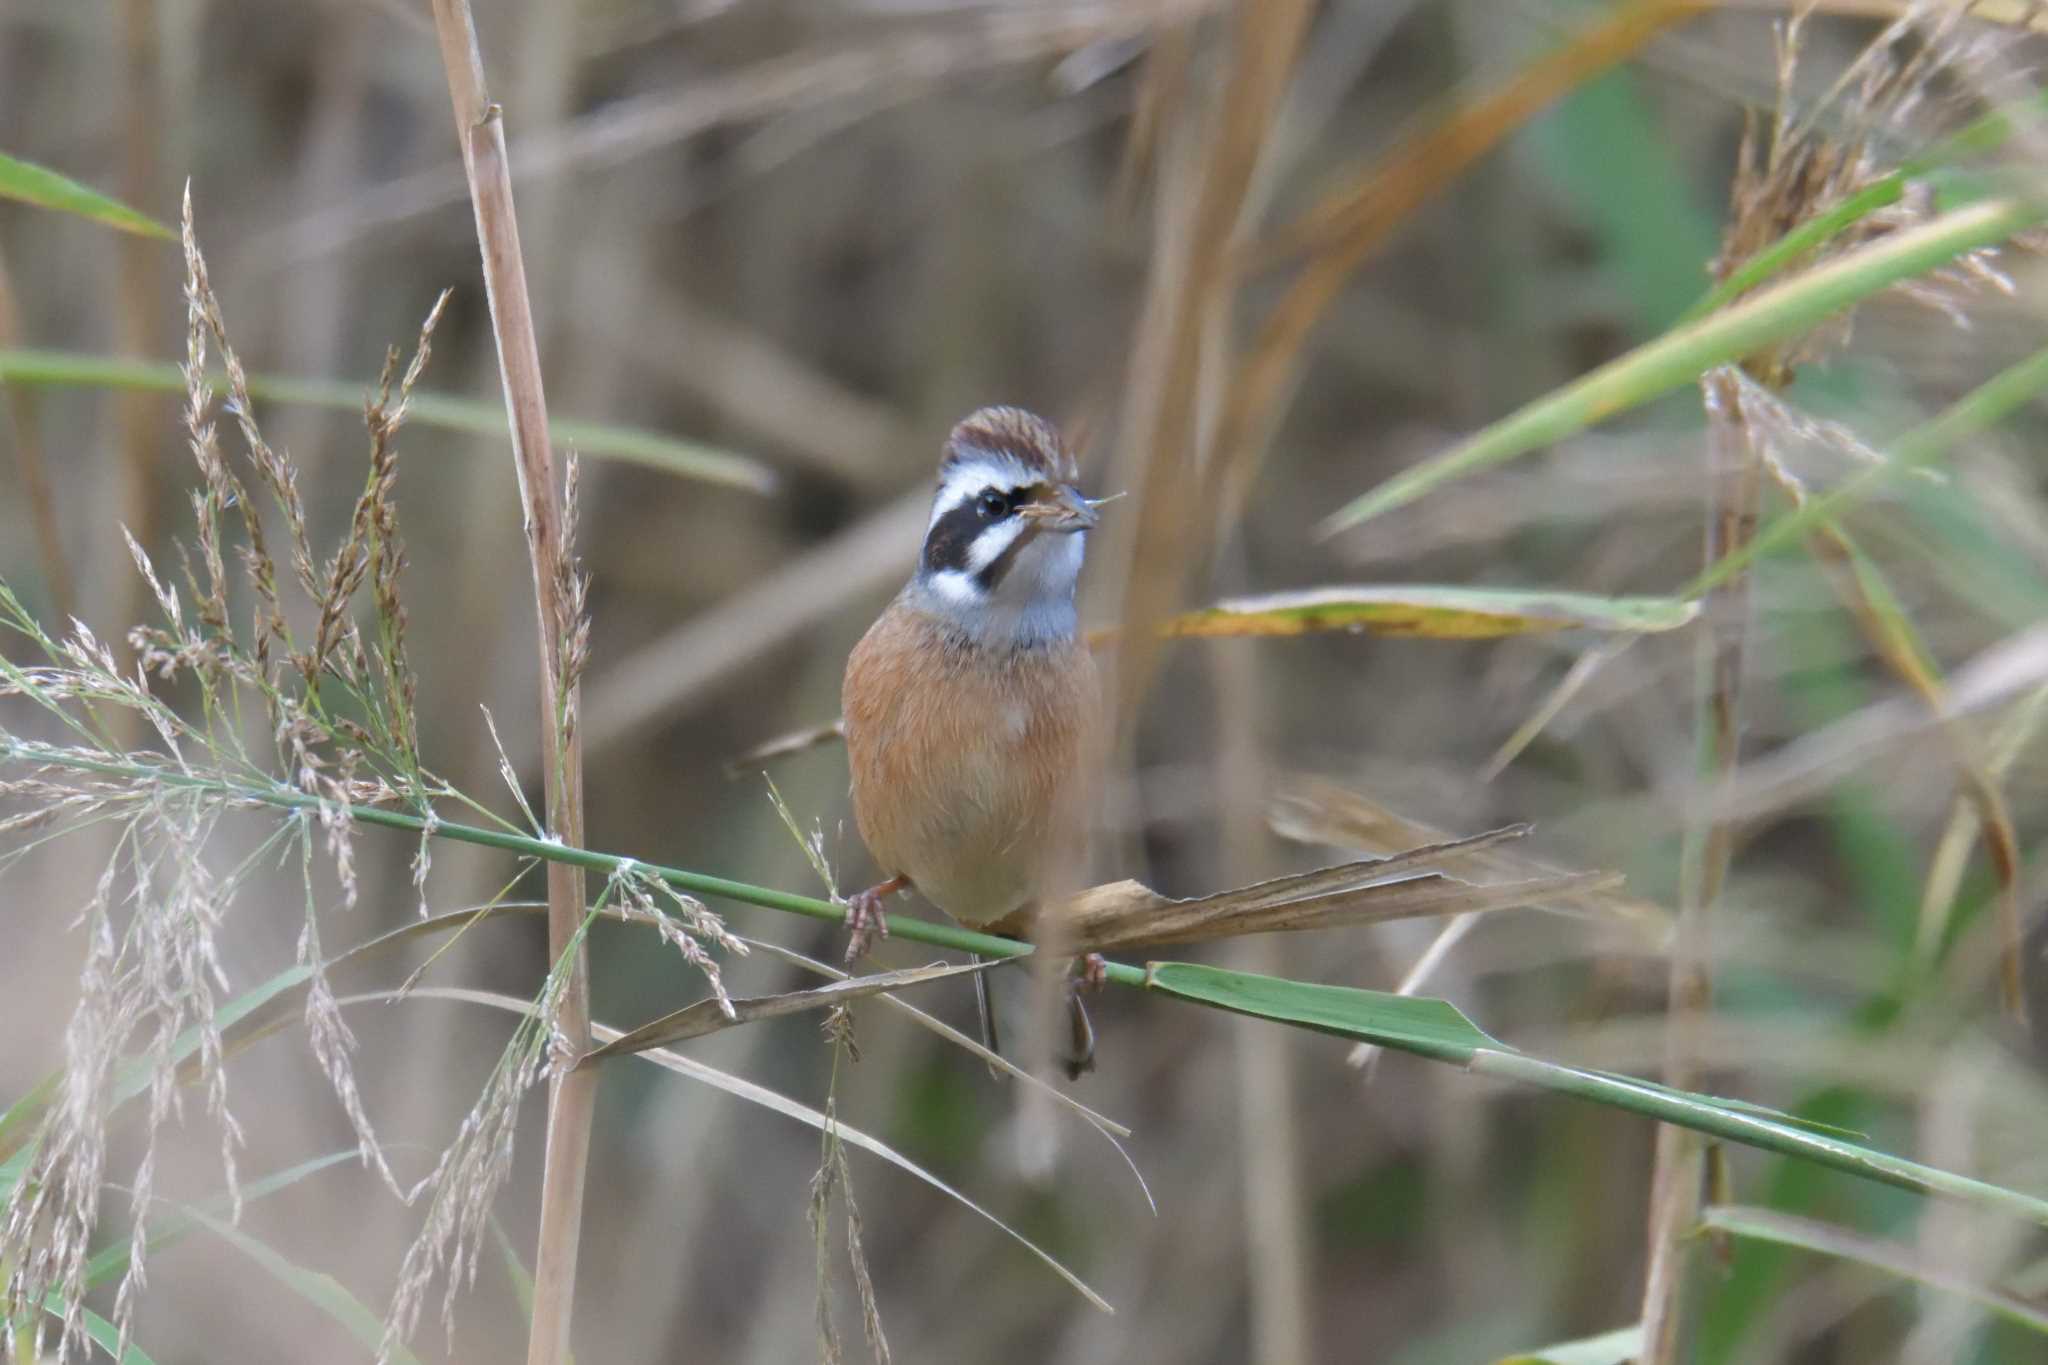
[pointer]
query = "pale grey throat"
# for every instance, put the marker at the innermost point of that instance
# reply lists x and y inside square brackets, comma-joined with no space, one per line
[991,571]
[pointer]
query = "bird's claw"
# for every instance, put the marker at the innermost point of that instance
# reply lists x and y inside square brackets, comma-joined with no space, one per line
[1091,972]
[865,922]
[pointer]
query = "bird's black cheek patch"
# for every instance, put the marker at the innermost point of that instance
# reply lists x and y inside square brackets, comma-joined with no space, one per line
[947,544]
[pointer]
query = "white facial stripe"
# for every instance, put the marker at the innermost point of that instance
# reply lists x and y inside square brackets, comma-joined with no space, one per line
[988,547]
[956,586]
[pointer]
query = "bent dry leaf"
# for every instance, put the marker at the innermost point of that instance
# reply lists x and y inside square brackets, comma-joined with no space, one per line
[1811,1234]
[599,440]
[1437,1030]
[1683,354]
[709,1016]
[39,185]
[1129,914]
[1430,611]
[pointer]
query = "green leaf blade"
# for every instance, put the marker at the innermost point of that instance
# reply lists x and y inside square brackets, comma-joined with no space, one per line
[599,440]
[1682,355]
[29,183]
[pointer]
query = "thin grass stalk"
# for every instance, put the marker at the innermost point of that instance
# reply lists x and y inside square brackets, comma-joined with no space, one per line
[25,419]
[137,323]
[479,125]
[1736,484]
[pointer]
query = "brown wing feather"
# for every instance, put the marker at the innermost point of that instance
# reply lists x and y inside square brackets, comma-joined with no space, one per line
[968,762]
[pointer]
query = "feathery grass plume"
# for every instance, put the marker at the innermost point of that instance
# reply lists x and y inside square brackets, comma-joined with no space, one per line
[471,1170]
[682,921]
[1813,162]
[834,1177]
[340,718]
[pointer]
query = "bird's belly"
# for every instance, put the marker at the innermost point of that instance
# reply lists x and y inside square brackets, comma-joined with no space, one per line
[967,768]
[975,849]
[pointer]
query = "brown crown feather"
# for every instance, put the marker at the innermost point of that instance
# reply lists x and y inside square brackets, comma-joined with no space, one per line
[1014,432]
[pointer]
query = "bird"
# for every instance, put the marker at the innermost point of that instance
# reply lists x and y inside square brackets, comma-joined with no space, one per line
[972,705]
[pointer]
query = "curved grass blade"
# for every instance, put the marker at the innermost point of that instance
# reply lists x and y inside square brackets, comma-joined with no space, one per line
[802,1113]
[1430,611]
[45,188]
[1682,355]
[688,459]
[1437,1030]
[102,1333]
[1811,1234]
[710,1016]
[316,1287]
[1979,409]
[113,1260]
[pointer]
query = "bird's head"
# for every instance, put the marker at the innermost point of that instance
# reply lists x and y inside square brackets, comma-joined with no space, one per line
[1008,529]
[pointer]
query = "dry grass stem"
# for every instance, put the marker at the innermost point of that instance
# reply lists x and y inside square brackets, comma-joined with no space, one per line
[479,127]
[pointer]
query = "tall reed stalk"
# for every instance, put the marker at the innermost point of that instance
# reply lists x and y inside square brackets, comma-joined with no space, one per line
[479,125]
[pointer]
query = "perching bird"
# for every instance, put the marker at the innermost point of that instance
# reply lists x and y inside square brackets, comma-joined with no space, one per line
[971,704]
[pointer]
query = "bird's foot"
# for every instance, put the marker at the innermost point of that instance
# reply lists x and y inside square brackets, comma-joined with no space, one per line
[1091,972]
[865,922]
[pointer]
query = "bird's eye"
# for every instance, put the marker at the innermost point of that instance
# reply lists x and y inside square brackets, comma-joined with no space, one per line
[992,505]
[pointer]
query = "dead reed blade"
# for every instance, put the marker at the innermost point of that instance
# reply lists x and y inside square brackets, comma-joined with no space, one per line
[479,126]
[713,1015]
[1126,915]
[1189,295]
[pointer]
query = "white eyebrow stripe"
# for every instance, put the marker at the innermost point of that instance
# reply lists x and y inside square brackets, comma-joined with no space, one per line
[969,478]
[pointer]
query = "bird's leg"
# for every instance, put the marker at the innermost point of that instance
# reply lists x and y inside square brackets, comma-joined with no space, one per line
[864,921]
[1091,972]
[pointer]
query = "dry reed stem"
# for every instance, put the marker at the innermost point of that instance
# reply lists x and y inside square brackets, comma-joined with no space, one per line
[1354,221]
[1191,288]
[479,126]
[138,325]
[1736,482]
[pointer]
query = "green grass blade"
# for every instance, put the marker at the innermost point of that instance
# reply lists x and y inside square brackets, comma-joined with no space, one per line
[1431,611]
[43,187]
[1682,355]
[173,1227]
[316,1287]
[1412,1023]
[1978,410]
[101,1332]
[1618,1347]
[1437,1030]
[1811,1234]
[687,459]
[1986,134]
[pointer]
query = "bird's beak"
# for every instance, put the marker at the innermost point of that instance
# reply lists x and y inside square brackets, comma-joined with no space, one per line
[1063,509]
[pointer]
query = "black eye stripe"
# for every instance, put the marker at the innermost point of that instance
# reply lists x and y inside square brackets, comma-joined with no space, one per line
[947,544]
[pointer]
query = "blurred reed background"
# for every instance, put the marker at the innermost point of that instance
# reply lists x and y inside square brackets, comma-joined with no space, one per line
[797,239]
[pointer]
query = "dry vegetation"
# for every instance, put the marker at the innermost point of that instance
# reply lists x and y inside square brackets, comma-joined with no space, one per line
[287,980]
